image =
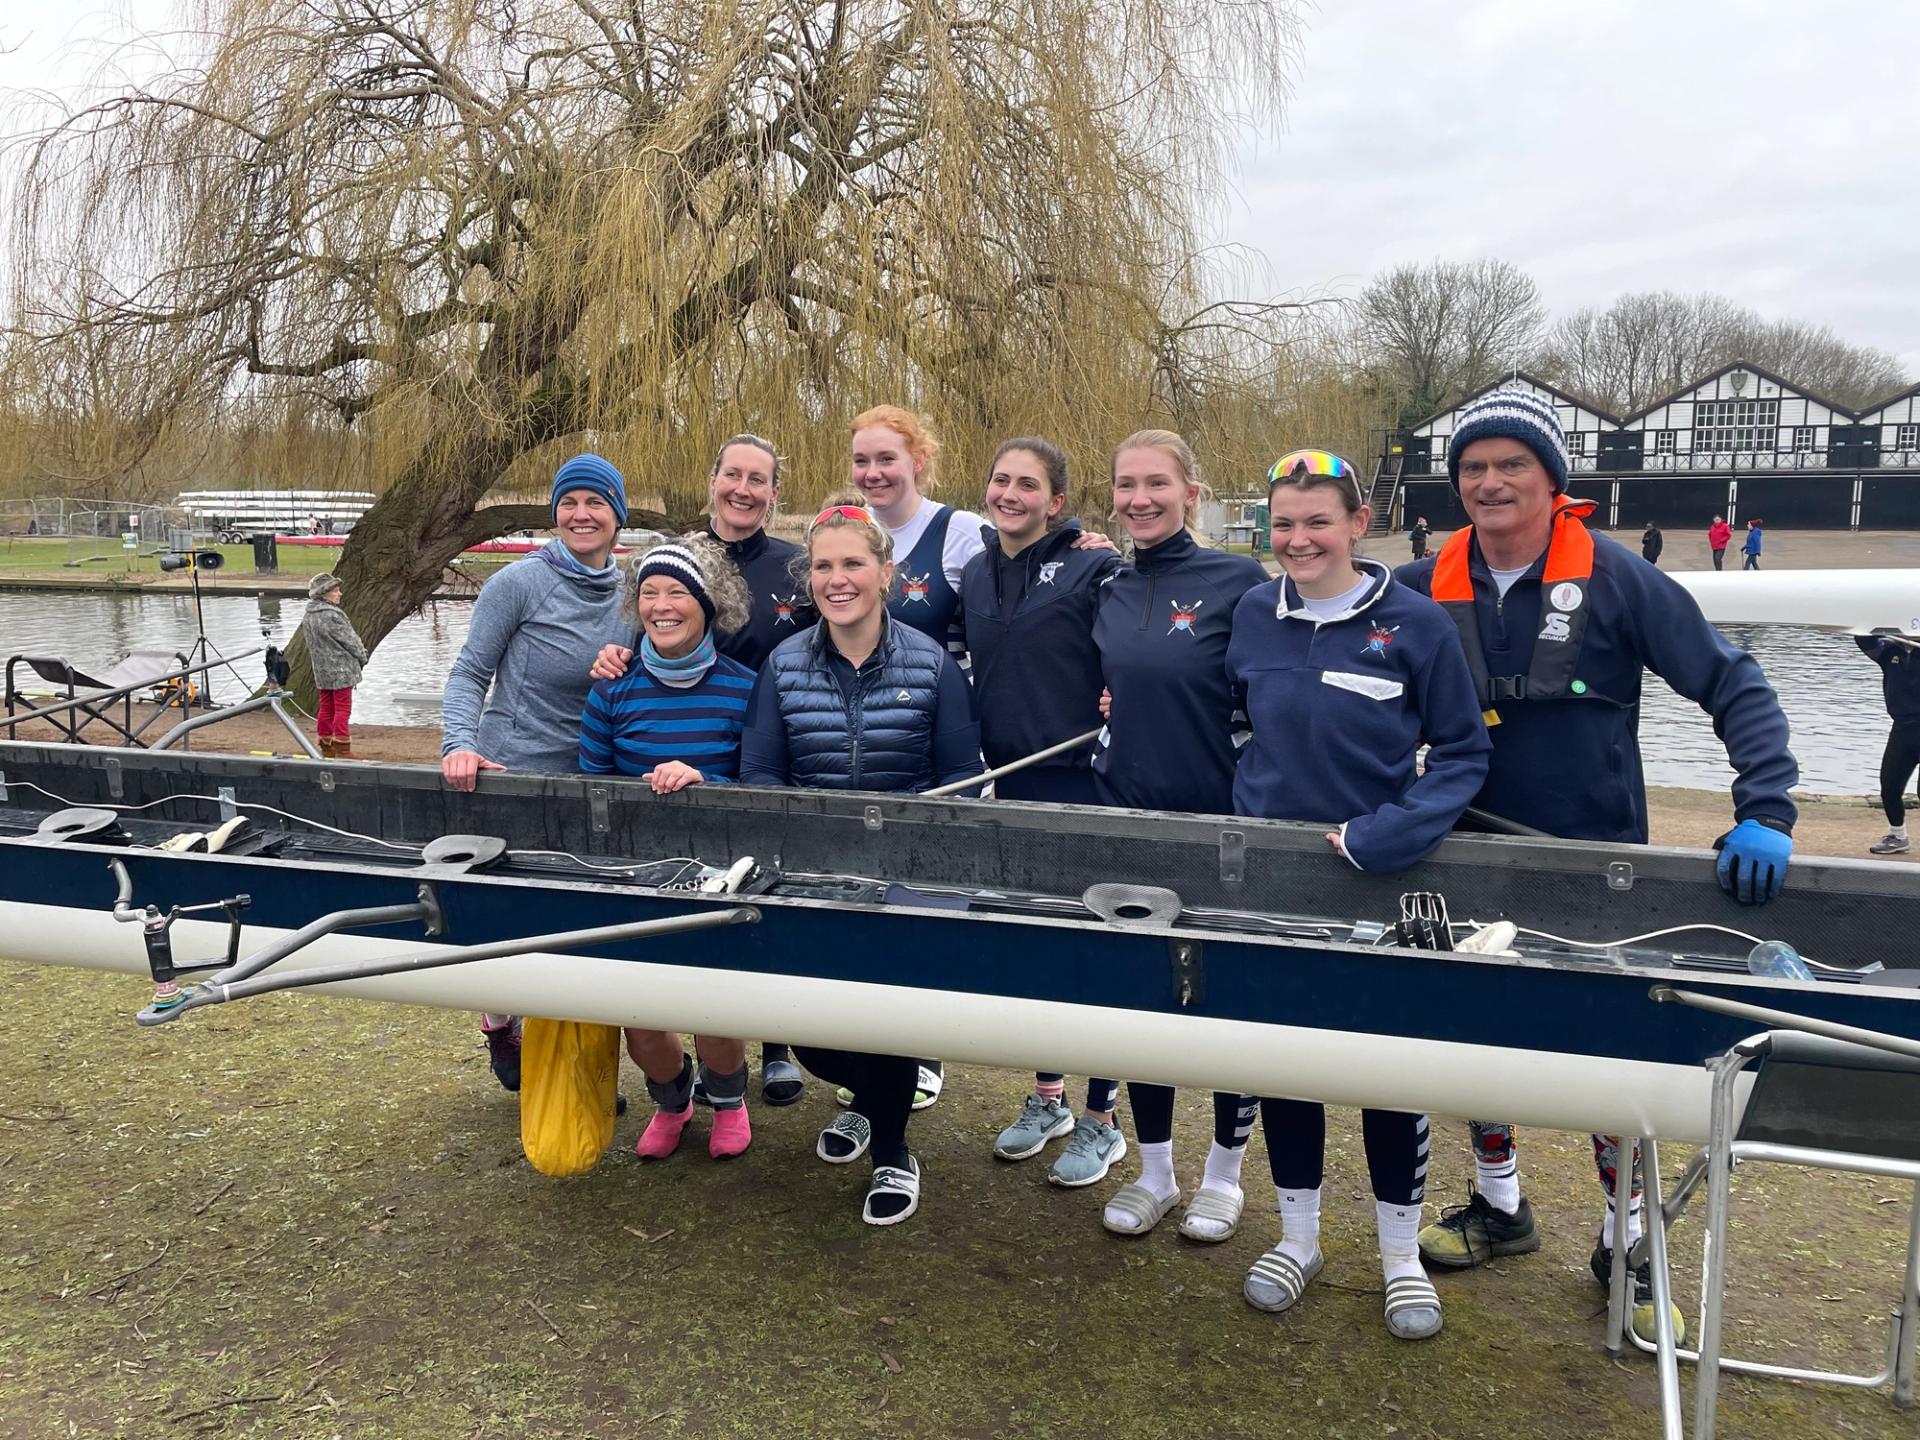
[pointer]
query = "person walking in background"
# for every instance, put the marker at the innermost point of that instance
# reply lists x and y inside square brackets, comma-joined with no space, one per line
[1756,538]
[1899,662]
[1418,538]
[1652,542]
[338,657]
[1719,536]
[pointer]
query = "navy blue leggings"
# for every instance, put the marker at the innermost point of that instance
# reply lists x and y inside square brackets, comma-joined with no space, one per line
[1153,1115]
[1397,1144]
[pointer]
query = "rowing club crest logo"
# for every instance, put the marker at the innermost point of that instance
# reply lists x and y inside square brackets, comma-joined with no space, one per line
[914,587]
[783,608]
[1378,639]
[1049,570]
[1185,617]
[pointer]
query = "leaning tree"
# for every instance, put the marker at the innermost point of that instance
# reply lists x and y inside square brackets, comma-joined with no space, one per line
[488,233]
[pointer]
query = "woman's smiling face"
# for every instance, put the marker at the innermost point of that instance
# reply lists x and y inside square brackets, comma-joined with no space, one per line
[740,491]
[846,578]
[1151,494]
[587,525]
[1019,498]
[670,615]
[883,467]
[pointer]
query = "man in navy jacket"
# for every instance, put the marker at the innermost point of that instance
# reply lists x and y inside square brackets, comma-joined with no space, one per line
[1558,624]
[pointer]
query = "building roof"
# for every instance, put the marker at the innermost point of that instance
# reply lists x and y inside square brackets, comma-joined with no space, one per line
[1890,400]
[1708,379]
[1506,380]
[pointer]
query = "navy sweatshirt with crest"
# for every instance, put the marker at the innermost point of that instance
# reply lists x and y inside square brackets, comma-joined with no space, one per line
[1029,624]
[781,607]
[1162,634]
[1571,767]
[1339,707]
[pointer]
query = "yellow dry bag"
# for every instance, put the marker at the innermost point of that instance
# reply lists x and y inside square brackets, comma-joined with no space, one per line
[568,1072]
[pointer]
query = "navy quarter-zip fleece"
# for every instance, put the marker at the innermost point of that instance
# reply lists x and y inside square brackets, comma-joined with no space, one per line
[1339,708]
[1036,671]
[1162,633]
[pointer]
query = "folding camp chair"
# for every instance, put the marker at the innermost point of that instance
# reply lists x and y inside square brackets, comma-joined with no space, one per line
[1839,1099]
[94,697]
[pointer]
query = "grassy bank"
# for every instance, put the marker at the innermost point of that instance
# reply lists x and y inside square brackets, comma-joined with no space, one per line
[311,1218]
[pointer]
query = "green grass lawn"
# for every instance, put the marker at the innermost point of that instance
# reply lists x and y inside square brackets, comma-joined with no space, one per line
[305,1217]
[24,557]
[37,556]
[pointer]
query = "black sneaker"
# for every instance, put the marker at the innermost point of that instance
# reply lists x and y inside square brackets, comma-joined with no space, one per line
[503,1054]
[1601,1263]
[1474,1233]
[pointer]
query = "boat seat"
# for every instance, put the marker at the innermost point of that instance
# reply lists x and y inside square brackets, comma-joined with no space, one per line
[93,694]
[1815,1102]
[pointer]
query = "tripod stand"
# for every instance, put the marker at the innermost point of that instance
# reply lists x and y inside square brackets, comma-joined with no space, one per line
[201,651]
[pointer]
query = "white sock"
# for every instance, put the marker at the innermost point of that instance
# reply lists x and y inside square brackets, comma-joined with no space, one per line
[1499,1181]
[1223,1168]
[1399,1227]
[1223,1177]
[1156,1168]
[1300,1223]
[1899,832]
[1634,1227]
[491,1021]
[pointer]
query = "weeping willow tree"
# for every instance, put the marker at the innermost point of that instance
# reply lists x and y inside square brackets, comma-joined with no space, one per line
[487,235]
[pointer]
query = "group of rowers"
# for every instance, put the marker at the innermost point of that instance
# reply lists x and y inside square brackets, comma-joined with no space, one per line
[1514,655]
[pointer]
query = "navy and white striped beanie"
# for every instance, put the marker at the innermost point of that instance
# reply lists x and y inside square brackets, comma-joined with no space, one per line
[1513,415]
[676,562]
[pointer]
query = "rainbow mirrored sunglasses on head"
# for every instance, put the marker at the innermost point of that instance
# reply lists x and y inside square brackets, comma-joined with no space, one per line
[1316,462]
[851,512]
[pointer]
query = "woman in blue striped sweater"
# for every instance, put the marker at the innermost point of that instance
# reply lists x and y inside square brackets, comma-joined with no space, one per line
[674,720]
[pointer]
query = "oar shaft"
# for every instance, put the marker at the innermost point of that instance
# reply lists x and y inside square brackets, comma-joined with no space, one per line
[1012,765]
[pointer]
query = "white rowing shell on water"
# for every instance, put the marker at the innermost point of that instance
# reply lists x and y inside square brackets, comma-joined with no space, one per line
[1857,601]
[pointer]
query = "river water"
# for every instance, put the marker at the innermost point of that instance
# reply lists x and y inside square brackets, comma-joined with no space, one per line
[1831,692]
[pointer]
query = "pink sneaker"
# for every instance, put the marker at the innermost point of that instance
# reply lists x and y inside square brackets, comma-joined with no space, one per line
[662,1135]
[732,1133]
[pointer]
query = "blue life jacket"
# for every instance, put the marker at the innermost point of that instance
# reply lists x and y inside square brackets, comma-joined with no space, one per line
[921,597]
[868,729]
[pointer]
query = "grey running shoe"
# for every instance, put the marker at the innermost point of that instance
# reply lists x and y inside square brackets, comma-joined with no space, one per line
[1892,845]
[1093,1150]
[1476,1232]
[1040,1121]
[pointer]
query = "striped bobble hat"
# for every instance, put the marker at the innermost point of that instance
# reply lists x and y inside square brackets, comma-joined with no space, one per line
[676,562]
[1512,414]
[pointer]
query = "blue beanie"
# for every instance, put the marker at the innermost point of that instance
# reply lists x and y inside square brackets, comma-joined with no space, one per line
[590,472]
[1512,415]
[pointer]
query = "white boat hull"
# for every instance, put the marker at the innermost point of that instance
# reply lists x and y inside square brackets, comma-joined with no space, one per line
[1857,601]
[1549,1089]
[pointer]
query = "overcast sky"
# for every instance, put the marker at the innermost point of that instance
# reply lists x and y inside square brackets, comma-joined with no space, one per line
[1765,150]
[1769,151]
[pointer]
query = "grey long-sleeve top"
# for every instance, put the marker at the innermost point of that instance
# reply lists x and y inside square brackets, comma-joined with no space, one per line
[517,690]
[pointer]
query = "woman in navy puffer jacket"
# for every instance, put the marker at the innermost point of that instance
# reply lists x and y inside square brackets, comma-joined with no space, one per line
[859,702]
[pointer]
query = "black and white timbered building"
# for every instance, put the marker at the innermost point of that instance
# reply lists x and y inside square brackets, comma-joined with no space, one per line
[1740,442]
